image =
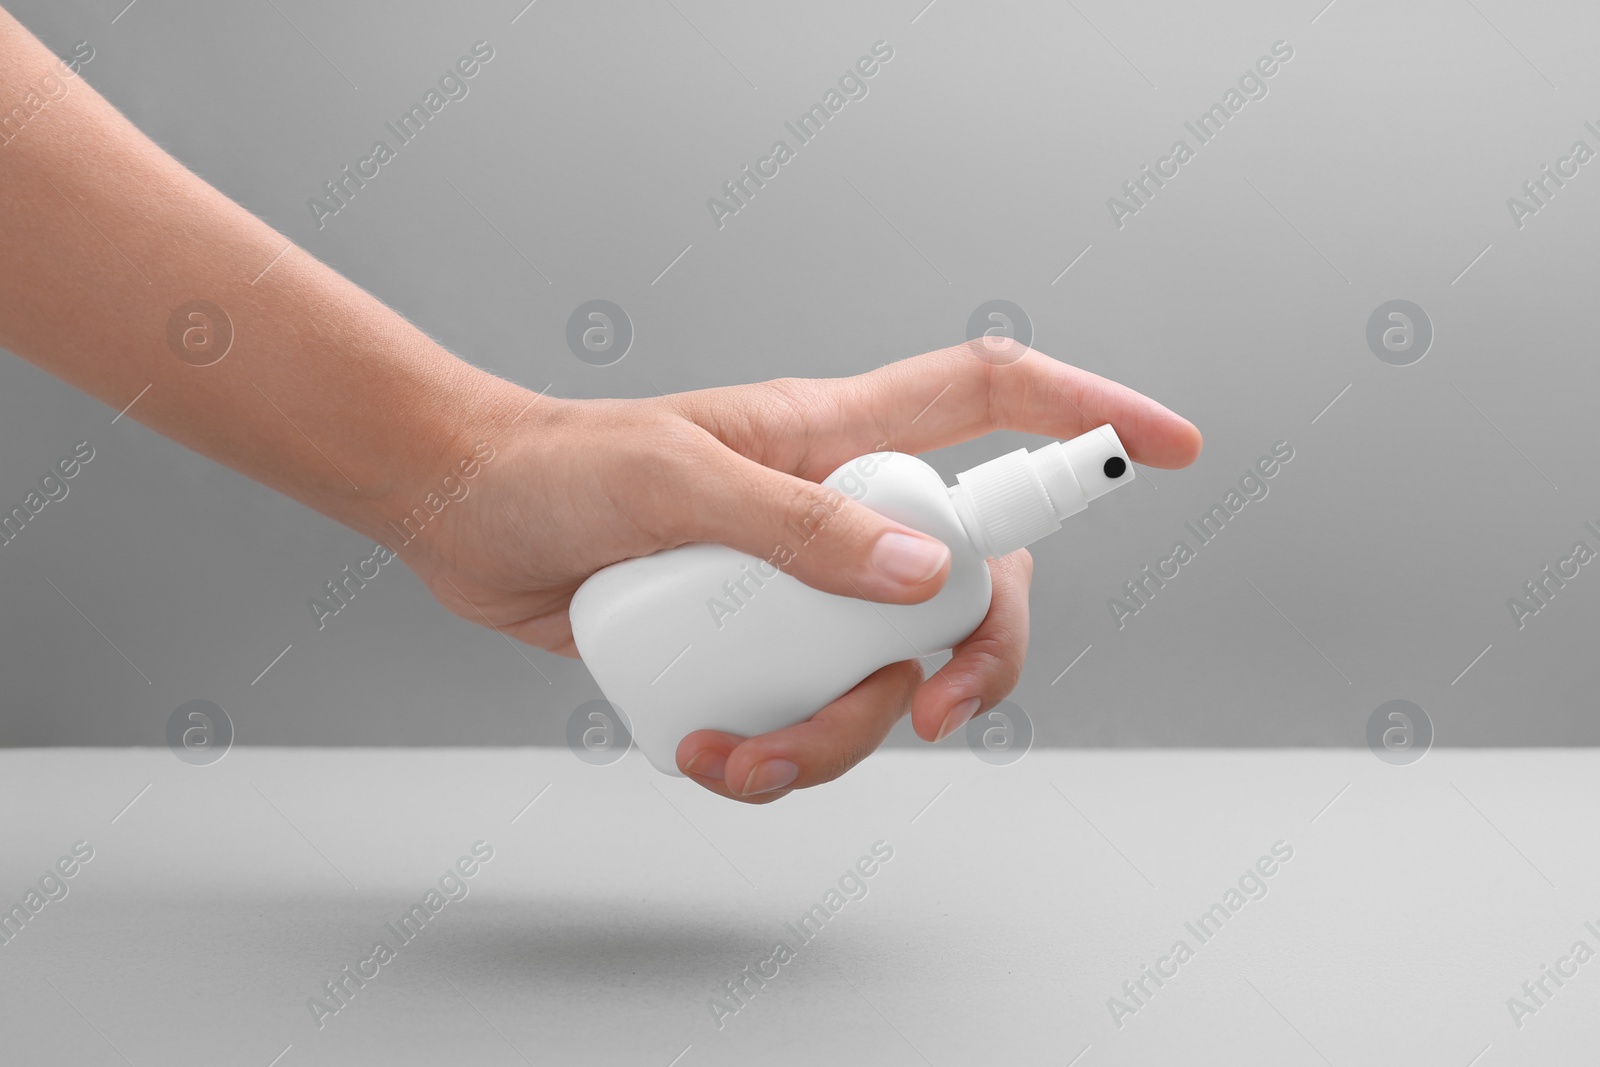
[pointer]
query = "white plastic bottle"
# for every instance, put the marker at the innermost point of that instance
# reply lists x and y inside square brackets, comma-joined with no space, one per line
[705,637]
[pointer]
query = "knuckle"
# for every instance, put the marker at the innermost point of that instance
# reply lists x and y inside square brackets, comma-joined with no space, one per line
[846,758]
[1019,562]
[909,674]
[807,511]
[991,662]
[780,407]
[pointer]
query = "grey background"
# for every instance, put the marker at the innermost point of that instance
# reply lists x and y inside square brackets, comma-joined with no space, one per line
[1377,168]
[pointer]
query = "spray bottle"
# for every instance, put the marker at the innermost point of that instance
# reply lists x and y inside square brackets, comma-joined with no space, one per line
[703,636]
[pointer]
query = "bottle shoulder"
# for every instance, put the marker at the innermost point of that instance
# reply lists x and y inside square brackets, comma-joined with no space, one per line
[902,486]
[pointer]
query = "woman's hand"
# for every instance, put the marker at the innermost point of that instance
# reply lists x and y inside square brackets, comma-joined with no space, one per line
[580,484]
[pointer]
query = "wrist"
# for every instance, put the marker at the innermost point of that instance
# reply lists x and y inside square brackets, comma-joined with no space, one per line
[470,419]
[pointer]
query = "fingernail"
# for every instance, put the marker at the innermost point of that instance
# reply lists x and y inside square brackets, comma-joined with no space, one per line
[957,717]
[769,775]
[707,763]
[908,560]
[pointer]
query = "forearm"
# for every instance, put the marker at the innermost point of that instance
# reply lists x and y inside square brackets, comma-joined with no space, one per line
[325,394]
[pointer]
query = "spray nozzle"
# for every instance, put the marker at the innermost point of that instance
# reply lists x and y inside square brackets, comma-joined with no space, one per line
[1015,499]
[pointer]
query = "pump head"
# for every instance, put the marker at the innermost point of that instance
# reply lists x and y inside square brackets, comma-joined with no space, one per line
[1015,499]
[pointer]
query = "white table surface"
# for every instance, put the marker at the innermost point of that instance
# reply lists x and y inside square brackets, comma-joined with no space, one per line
[1016,903]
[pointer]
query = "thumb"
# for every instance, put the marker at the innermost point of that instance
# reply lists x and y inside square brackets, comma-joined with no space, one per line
[815,533]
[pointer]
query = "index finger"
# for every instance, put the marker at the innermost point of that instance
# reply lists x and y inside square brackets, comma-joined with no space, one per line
[955,394]
[942,398]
